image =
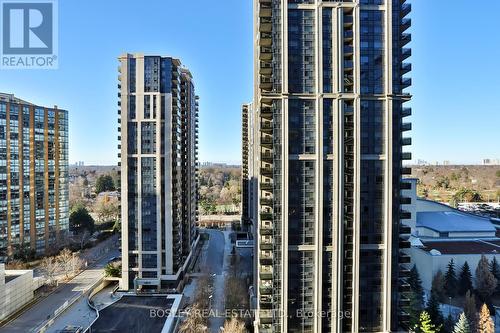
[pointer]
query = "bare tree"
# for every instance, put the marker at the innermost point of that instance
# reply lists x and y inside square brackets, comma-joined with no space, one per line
[485,324]
[194,322]
[486,282]
[49,267]
[69,262]
[203,291]
[82,238]
[107,208]
[233,325]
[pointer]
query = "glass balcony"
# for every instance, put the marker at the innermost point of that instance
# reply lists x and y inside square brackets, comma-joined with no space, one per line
[405,24]
[266,186]
[266,171]
[405,68]
[406,141]
[348,50]
[405,83]
[266,140]
[405,9]
[266,228]
[406,112]
[406,127]
[266,201]
[406,171]
[266,126]
[266,288]
[405,39]
[265,39]
[266,216]
[348,20]
[266,257]
[406,156]
[348,35]
[405,53]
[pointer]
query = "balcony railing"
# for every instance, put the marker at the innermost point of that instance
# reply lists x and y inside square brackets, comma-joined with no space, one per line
[406,82]
[405,24]
[406,53]
[406,141]
[405,68]
[266,126]
[405,9]
[406,156]
[406,127]
[266,171]
[266,186]
[266,216]
[405,38]
[266,201]
[266,157]
[406,112]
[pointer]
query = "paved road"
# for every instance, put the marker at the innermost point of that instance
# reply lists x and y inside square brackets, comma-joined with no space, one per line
[215,252]
[217,256]
[44,309]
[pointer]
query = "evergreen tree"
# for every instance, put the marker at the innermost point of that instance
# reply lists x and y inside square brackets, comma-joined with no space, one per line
[438,286]
[485,324]
[416,285]
[450,279]
[414,309]
[464,280]
[104,183]
[433,310]
[426,325]
[495,270]
[462,325]
[486,283]
[470,310]
[448,325]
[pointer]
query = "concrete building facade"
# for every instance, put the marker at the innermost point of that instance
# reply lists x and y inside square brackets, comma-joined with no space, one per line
[34,193]
[330,96]
[16,289]
[159,165]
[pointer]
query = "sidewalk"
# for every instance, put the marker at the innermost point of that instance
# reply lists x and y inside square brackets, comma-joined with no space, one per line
[45,309]
[80,314]
[218,303]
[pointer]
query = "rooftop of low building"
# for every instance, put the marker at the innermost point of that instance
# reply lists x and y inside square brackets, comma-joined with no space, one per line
[454,221]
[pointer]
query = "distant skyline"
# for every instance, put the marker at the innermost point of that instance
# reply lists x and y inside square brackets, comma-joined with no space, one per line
[456,77]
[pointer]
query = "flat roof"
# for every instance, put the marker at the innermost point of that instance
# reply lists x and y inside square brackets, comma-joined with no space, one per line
[132,314]
[454,221]
[463,246]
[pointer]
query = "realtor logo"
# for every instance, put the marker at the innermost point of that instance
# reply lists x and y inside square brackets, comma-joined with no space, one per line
[29,34]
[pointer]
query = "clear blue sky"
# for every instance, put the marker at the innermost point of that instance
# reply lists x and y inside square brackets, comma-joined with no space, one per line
[456,76]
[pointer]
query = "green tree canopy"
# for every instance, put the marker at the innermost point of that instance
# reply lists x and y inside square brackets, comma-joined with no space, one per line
[438,288]
[433,310]
[426,325]
[450,280]
[464,279]
[104,183]
[495,270]
[462,325]
[416,283]
[80,220]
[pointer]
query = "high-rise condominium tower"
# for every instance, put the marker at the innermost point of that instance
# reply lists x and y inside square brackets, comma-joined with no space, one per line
[330,90]
[159,164]
[248,167]
[34,200]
